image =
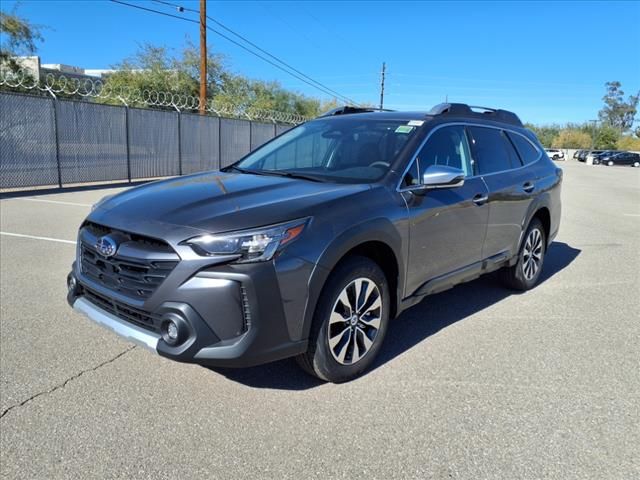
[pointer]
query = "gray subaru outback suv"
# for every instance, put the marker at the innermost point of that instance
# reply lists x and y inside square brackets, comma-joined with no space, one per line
[311,244]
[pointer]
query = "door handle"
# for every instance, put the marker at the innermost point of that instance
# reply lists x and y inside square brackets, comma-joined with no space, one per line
[480,199]
[528,187]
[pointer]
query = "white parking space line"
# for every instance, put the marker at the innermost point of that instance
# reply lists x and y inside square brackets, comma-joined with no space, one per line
[53,201]
[631,214]
[8,234]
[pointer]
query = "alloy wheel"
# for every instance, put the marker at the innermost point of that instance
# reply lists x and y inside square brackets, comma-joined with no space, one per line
[355,321]
[532,254]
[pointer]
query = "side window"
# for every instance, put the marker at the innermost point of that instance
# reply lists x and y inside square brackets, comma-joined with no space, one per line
[492,150]
[514,158]
[446,146]
[528,153]
[412,177]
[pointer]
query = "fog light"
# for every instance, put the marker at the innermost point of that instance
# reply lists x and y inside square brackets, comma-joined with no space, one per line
[71,283]
[172,331]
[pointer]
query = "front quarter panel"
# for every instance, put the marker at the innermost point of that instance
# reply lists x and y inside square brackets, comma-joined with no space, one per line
[378,214]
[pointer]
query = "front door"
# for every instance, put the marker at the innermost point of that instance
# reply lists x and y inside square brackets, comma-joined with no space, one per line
[448,225]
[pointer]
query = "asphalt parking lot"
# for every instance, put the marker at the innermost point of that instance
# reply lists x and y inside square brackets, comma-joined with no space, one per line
[476,382]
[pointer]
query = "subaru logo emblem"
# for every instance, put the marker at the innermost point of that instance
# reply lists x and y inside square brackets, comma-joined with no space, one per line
[106,246]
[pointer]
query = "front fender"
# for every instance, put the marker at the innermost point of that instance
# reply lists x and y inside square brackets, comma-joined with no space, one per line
[378,230]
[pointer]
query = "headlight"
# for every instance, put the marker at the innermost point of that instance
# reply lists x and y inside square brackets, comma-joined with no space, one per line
[257,245]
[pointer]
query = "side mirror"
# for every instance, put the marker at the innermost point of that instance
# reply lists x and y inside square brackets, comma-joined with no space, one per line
[442,176]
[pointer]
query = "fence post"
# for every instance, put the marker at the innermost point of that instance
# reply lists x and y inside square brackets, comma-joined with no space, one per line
[126,128]
[179,143]
[55,132]
[55,128]
[126,132]
[219,143]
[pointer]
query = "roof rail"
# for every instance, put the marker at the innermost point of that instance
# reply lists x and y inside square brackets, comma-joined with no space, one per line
[348,109]
[462,109]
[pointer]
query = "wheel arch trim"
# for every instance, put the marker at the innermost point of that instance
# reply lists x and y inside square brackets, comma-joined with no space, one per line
[376,230]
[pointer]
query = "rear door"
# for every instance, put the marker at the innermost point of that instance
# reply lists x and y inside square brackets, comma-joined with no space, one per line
[447,225]
[511,185]
[625,158]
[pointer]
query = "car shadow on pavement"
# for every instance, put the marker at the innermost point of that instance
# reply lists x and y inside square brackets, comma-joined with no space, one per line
[433,314]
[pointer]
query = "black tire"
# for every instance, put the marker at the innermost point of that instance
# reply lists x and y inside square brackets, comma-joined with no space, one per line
[519,277]
[320,359]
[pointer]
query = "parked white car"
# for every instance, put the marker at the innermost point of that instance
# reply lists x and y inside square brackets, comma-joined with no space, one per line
[555,154]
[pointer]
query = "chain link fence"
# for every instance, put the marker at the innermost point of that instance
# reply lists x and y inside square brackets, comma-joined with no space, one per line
[55,142]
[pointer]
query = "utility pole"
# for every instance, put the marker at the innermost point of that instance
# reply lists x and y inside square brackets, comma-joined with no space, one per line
[384,66]
[203,56]
[593,132]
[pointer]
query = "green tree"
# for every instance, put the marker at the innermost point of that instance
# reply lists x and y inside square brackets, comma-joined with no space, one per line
[17,37]
[606,137]
[627,142]
[239,91]
[139,79]
[572,138]
[545,133]
[157,69]
[617,112]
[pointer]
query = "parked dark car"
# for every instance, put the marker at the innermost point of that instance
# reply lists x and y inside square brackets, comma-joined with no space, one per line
[312,243]
[620,158]
[591,154]
[576,154]
[597,158]
[582,157]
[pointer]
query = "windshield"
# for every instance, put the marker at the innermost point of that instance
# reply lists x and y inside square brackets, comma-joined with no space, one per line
[348,149]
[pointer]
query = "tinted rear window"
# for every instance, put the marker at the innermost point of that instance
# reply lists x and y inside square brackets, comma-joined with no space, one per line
[492,150]
[526,150]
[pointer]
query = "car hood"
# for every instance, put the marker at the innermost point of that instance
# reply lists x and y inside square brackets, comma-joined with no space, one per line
[216,202]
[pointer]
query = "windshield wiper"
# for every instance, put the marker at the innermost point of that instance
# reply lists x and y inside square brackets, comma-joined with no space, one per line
[282,173]
[276,173]
[237,169]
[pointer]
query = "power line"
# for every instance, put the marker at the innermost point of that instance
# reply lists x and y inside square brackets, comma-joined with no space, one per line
[182,8]
[317,85]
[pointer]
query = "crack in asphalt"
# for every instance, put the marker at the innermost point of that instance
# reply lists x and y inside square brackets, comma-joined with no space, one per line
[64,384]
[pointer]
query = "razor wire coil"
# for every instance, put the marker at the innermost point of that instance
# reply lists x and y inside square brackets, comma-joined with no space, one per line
[96,90]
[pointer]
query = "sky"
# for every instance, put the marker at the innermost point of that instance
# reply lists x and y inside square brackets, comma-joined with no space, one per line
[547,61]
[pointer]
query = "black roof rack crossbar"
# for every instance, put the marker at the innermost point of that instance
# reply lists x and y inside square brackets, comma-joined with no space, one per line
[462,109]
[348,109]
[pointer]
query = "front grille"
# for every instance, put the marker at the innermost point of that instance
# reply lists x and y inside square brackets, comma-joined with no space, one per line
[100,230]
[132,315]
[140,265]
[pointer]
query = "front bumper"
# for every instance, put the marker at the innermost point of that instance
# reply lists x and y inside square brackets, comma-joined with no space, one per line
[231,317]
[126,330]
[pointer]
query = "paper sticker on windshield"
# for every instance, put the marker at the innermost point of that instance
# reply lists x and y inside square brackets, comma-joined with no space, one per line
[404,129]
[415,123]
